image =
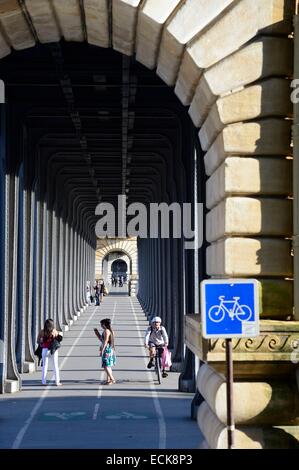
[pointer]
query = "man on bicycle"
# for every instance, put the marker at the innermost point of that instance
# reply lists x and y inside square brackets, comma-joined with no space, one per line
[155,337]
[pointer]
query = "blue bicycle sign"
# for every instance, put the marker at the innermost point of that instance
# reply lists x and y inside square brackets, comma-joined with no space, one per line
[232,308]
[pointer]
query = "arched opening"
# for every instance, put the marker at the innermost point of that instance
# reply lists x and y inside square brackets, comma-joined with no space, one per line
[119,268]
[89,124]
[103,125]
[117,271]
[110,249]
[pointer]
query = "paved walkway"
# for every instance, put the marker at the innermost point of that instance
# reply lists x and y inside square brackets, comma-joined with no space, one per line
[118,290]
[135,413]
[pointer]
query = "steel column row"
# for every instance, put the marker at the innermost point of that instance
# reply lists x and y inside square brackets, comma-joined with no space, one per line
[47,256]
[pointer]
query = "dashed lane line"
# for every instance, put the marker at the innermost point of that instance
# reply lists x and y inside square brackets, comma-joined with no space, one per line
[161,420]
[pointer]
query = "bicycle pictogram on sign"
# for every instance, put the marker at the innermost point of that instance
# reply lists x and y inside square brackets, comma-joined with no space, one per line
[232,307]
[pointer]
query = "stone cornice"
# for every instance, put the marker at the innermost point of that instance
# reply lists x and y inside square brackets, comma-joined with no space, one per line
[278,341]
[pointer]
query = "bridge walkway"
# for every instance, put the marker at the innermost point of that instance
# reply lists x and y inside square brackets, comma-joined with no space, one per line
[135,413]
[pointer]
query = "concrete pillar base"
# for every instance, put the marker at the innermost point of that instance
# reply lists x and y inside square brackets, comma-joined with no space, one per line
[265,411]
[71,322]
[75,317]
[65,327]
[246,437]
[133,287]
[257,402]
[29,367]
[196,402]
[12,386]
[186,385]
[177,367]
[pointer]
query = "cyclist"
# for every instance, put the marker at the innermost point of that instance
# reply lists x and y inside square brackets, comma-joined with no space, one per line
[155,336]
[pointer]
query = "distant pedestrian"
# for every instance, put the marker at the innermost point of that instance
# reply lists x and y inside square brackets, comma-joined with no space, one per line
[102,288]
[96,289]
[107,349]
[88,293]
[49,340]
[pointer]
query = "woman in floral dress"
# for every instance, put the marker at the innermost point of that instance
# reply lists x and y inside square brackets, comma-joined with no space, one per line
[107,349]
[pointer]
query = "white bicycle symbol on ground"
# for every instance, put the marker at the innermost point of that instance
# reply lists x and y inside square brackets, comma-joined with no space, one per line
[217,312]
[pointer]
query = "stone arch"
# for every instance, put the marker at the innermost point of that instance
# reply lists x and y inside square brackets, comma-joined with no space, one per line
[234,76]
[123,261]
[235,81]
[119,256]
[128,248]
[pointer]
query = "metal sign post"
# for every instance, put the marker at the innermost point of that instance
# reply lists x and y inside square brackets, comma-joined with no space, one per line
[229,394]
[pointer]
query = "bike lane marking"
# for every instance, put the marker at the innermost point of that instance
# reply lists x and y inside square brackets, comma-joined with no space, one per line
[20,436]
[126,415]
[161,420]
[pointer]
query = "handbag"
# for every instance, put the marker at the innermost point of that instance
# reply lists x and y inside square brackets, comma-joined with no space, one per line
[166,358]
[39,353]
[54,345]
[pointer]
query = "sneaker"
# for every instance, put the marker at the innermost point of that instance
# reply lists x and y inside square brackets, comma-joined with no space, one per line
[164,374]
[150,364]
[59,384]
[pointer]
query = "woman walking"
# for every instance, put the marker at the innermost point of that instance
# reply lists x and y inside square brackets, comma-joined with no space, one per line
[107,349]
[48,339]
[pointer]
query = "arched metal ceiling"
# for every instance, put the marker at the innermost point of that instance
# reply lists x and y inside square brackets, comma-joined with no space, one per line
[95,124]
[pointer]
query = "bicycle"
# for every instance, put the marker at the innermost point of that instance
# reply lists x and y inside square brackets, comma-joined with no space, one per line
[217,312]
[158,363]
